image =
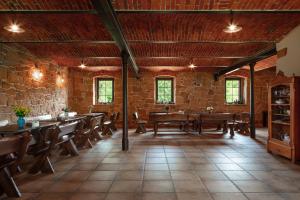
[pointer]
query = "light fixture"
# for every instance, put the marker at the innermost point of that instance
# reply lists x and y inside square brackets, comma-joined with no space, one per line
[232,27]
[14,28]
[37,74]
[60,79]
[82,65]
[191,66]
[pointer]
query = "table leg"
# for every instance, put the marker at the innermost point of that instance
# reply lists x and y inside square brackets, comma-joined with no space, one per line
[8,184]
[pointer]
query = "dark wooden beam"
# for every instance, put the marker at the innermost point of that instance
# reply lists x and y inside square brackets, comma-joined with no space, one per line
[136,42]
[246,61]
[125,141]
[207,11]
[48,12]
[252,103]
[109,18]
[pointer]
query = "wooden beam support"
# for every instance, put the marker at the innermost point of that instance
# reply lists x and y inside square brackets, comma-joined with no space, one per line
[127,11]
[135,42]
[109,18]
[48,12]
[243,62]
[125,141]
[252,103]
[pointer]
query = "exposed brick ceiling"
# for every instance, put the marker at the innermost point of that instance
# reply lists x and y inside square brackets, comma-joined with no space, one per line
[157,39]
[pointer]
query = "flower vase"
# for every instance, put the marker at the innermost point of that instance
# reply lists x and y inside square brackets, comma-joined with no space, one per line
[21,122]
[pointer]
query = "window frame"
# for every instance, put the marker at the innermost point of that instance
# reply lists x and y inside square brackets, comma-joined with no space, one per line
[172,89]
[241,99]
[98,79]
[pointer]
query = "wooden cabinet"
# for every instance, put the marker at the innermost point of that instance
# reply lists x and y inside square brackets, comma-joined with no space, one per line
[284,117]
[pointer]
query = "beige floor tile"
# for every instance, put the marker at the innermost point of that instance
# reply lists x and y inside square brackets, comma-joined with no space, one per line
[159,196]
[95,186]
[189,186]
[158,186]
[87,196]
[220,186]
[229,196]
[194,196]
[253,186]
[126,186]
[102,175]
[157,175]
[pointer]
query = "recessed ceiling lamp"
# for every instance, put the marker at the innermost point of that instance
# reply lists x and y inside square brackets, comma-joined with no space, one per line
[232,27]
[37,74]
[191,66]
[82,65]
[60,79]
[14,28]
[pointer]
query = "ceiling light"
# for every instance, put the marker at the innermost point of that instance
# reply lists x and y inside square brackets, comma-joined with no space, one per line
[232,27]
[82,65]
[37,74]
[14,28]
[192,66]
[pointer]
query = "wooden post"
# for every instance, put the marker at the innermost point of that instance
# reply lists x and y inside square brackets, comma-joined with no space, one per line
[252,109]
[125,142]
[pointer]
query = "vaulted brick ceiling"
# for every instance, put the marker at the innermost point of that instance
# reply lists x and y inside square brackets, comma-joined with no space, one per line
[157,38]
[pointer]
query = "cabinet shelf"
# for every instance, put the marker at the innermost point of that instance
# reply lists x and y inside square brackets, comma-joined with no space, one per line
[281,123]
[283,127]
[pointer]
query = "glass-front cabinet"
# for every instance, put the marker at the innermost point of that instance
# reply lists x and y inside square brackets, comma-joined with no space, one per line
[283,117]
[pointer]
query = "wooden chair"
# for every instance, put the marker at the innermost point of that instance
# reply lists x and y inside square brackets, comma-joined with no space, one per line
[82,135]
[109,125]
[243,123]
[140,123]
[42,151]
[96,124]
[114,118]
[66,136]
[12,151]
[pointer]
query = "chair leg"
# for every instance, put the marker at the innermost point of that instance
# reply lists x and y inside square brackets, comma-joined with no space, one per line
[138,129]
[143,128]
[47,166]
[71,148]
[8,184]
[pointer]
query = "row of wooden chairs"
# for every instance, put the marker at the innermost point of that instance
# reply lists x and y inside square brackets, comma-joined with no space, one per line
[67,137]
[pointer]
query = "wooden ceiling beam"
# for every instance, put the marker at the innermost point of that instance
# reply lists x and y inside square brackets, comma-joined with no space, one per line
[48,12]
[246,61]
[135,42]
[109,18]
[167,57]
[207,11]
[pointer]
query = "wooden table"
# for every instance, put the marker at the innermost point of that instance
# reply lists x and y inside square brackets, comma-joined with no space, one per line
[13,129]
[176,118]
[183,119]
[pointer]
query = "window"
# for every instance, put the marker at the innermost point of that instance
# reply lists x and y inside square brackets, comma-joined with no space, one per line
[164,90]
[104,90]
[233,91]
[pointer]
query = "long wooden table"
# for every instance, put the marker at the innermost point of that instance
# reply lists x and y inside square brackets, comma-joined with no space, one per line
[183,119]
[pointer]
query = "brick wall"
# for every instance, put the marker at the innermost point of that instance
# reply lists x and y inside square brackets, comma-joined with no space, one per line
[18,88]
[195,90]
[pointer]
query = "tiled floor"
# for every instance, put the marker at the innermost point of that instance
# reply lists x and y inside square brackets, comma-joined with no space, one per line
[169,167]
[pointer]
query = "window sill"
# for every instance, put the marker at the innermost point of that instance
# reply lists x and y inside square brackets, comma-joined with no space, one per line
[240,104]
[103,104]
[164,104]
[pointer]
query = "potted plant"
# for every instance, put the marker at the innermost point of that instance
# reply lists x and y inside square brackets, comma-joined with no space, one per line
[21,112]
[209,109]
[66,111]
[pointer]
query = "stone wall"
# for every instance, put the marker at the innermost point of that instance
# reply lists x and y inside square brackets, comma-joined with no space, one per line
[17,86]
[195,90]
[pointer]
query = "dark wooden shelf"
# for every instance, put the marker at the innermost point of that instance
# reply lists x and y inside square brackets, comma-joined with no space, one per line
[281,123]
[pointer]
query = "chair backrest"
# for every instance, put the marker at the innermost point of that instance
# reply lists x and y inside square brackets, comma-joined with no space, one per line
[93,123]
[67,128]
[245,116]
[135,116]
[52,137]
[15,144]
